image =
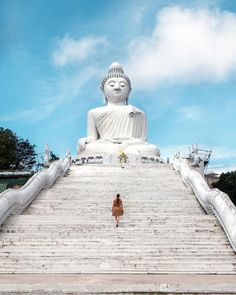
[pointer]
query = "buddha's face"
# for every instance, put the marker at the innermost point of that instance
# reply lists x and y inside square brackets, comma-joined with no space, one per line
[116,90]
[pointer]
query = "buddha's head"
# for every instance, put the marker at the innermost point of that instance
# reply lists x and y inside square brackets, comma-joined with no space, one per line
[116,85]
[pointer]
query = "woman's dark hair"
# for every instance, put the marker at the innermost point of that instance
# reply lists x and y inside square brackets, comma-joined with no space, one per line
[118,199]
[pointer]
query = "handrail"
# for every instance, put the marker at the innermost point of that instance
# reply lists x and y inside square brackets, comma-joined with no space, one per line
[15,201]
[213,200]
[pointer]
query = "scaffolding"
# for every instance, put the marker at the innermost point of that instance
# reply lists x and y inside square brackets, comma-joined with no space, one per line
[201,156]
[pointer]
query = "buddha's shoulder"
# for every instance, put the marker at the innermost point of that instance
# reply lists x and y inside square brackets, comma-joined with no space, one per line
[136,110]
[98,110]
[124,108]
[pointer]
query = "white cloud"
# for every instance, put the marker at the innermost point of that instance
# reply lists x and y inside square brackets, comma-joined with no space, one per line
[137,13]
[63,90]
[192,113]
[187,45]
[70,50]
[33,115]
[220,152]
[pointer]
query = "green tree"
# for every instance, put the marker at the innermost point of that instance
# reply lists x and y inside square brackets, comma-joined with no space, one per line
[227,184]
[53,157]
[15,153]
[8,144]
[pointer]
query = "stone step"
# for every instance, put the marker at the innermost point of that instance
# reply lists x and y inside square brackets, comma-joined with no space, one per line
[140,186]
[74,264]
[137,254]
[70,267]
[12,239]
[109,231]
[137,206]
[108,201]
[188,219]
[92,212]
[68,250]
[126,242]
[80,260]
[127,177]
[131,249]
[78,193]
[78,190]
[124,228]
[130,214]
[73,231]
[119,187]
[145,201]
[125,224]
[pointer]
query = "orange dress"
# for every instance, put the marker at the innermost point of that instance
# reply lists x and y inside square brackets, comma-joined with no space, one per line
[117,210]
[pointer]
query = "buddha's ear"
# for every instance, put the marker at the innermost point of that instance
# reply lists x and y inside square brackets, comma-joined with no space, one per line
[104,99]
[104,96]
[128,96]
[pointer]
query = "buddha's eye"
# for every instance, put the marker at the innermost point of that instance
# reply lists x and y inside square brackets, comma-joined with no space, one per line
[122,84]
[112,84]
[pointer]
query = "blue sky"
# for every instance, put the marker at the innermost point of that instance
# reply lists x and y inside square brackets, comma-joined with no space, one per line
[179,55]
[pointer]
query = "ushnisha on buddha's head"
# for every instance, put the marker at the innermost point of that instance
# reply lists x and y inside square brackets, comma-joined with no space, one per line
[116,85]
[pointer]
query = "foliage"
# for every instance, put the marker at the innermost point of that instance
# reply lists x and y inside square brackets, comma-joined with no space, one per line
[15,152]
[53,157]
[3,187]
[227,184]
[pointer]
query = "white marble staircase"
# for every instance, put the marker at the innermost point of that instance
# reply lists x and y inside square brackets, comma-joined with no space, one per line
[69,228]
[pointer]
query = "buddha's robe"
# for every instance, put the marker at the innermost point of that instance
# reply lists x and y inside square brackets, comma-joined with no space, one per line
[115,128]
[114,123]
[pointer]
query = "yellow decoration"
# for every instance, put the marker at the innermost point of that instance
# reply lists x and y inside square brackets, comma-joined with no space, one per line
[123,157]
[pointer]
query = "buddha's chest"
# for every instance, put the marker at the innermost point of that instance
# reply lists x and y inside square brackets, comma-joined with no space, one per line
[119,122]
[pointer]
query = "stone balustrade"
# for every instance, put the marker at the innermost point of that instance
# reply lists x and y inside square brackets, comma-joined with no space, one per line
[213,200]
[15,201]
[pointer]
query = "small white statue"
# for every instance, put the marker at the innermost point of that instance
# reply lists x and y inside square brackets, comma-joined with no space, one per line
[46,156]
[117,125]
[196,159]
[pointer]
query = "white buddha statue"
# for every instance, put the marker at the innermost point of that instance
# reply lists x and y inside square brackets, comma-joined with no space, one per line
[117,126]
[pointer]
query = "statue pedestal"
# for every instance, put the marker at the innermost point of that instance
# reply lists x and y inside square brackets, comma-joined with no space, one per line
[107,153]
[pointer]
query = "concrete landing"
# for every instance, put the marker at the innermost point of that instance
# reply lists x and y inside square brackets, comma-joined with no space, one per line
[116,284]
